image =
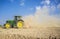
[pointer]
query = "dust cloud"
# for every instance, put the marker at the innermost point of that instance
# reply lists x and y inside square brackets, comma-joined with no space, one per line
[41,18]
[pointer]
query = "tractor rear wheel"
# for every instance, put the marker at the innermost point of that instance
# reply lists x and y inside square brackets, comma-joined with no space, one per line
[19,24]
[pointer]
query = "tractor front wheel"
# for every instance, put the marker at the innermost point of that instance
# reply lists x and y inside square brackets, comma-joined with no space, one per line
[7,25]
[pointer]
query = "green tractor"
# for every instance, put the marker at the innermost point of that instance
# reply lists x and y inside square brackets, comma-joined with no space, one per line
[17,22]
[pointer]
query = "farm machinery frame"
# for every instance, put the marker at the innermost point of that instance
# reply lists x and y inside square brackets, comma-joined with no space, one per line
[16,23]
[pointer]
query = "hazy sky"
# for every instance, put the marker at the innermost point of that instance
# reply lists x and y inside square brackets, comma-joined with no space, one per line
[10,8]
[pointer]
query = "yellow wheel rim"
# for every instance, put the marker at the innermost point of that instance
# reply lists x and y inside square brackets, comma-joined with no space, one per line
[7,25]
[19,24]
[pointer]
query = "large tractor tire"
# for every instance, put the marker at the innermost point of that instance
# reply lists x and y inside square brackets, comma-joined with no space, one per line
[19,24]
[7,25]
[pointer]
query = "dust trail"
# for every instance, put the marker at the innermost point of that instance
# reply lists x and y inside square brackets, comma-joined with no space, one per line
[41,18]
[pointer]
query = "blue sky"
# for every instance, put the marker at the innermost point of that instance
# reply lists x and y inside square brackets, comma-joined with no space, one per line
[10,8]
